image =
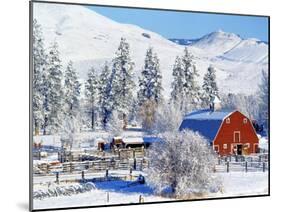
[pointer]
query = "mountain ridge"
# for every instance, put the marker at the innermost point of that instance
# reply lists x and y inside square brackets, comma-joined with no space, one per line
[89,39]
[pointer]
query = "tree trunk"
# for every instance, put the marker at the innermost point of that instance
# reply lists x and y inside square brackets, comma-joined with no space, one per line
[45,125]
[93,119]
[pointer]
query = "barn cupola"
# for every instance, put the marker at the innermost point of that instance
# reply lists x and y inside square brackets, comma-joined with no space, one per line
[215,105]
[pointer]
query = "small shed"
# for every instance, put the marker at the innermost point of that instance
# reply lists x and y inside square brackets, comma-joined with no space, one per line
[117,142]
[133,142]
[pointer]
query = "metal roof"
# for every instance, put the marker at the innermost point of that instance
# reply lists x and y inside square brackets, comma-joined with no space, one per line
[205,122]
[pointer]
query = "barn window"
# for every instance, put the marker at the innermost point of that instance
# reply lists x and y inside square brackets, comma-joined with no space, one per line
[245,120]
[228,120]
[224,146]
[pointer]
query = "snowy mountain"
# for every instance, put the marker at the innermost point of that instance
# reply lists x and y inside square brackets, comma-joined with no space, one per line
[89,39]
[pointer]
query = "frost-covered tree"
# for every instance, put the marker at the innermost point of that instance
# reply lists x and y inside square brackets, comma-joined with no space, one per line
[191,90]
[122,83]
[39,69]
[70,127]
[210,88]
[177,94]
[247,104]
[92,94]
[115,124]
[106,96]
[147,112]
[55,98]
[264,92]
[150,81]
[167,118]
[71,91]
[183,165]
[185,91]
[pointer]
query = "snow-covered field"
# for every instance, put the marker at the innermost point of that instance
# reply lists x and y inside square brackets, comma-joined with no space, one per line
[235,184]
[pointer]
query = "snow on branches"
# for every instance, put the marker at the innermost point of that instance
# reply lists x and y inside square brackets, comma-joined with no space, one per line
[182,165]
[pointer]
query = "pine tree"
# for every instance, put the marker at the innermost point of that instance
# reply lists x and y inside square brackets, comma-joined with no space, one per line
[177,94]
[91,94]
[210,88]
[185,91]
[39,69]
[54,100]
[150,82]
[122,83]
[71,91]
[105,98]
[191,90]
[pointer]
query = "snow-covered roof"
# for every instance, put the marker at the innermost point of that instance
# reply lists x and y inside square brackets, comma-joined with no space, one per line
[151,139]
[205,122]
[117,138]
[133,140]
[208,114]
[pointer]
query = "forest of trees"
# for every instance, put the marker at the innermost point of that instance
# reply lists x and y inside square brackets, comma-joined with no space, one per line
[111,95]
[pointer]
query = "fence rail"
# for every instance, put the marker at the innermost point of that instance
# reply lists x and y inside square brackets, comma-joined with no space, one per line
[93,166]
[241,167]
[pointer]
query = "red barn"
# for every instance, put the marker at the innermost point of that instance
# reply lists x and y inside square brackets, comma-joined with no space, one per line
[229,132]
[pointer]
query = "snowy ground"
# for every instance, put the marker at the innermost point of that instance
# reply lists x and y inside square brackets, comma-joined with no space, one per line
[235,184]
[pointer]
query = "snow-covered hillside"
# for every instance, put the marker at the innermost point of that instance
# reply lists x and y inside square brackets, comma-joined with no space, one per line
[90,39]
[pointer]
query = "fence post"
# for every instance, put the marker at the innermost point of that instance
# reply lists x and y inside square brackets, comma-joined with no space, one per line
[141,199]
[227,166]
[246,166]
[107,196]
[83,176]
[135,163]
[141,165]
[263,166]
[57,178]
[71,167]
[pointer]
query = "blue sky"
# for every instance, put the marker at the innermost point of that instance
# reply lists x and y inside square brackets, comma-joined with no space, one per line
[171,24]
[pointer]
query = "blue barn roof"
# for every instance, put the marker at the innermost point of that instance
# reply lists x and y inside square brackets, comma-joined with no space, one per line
[205,122]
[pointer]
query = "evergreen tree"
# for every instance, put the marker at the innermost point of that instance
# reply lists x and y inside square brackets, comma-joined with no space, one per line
[210,88]
[71,91]
[105,95]
[177,94]
[54,101]
[91,94]
[39,69]
[191,90]
[185,91]
[121,79]
[150,82]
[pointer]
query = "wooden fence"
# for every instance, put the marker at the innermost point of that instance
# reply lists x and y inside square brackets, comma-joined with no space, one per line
[92,166]
[91,155]
[241,167]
